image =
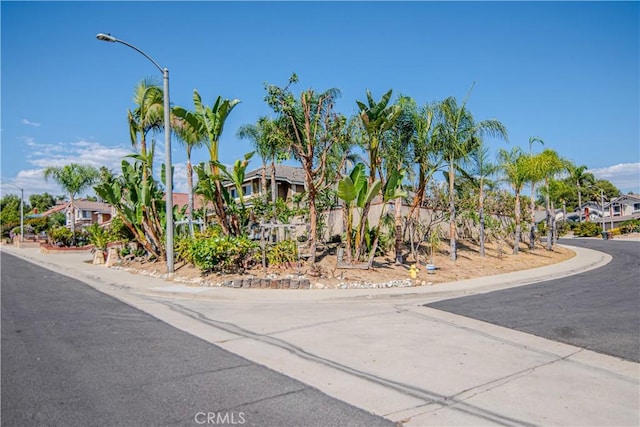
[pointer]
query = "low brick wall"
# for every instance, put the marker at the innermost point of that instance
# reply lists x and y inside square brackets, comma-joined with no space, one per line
[46,248]
[268,283]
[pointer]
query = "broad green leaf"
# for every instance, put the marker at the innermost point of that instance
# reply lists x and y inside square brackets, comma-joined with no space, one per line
[346,190]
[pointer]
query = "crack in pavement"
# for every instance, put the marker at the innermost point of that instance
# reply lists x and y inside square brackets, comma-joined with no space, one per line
[405,389]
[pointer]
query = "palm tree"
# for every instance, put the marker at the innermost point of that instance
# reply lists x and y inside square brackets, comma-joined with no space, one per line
[535,177]
[424,153]
[74,178]
[580,177]
[550,165]
[148,114]
[209,121]
[190,133]
[515,166]
[397,155]
[482,169]
[456,135]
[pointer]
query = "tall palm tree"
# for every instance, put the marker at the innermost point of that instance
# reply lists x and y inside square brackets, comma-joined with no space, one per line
[551,165]
[580,177]
[74,178]
[535,178]
[424,153]
[515,167]
[456,135]
[210,122]
[148,115]
[397,155]
[191,134]
[481,170]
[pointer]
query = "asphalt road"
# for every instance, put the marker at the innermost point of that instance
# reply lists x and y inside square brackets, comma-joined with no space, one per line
[598,310]
[72,356]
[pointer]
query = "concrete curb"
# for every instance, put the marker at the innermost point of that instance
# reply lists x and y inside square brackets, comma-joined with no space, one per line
[72,265]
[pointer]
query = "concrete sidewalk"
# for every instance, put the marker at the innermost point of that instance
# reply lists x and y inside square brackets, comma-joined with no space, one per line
[383,351]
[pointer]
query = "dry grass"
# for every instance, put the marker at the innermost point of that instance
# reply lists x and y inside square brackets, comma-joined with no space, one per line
[468,265]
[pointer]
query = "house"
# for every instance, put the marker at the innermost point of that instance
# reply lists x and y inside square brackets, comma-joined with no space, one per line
[86,212]
[615,212]
[289,182]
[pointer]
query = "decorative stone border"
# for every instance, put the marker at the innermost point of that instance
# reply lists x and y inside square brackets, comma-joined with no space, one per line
[284,283]
[47,248]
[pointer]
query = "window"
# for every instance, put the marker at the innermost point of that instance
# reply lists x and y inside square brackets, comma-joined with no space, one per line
[86,214]
[636,207]
[246,189]
[233,193]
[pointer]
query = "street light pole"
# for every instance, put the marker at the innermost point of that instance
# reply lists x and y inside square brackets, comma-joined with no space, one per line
[21,209]
[167,147]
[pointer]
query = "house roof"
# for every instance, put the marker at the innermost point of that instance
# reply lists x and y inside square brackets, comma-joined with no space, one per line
[182,199]
[290,174]
[99,207]
[56,208]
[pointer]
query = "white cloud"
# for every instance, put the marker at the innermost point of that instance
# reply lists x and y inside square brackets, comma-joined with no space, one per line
[87,152]
[625,176]
[30,123]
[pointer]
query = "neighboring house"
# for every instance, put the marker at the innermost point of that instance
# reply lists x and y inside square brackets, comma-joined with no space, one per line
[86,212]
[619,210]
[289,182]
[181,200]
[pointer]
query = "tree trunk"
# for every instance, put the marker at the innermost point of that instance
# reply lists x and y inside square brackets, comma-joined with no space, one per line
[313,221]
[516,245]
[532,229]
[579,205]
[72,210]
[274,189]
[347,221]
[452,213]
[549,220]
[190,190]
[481,209]
[398,224]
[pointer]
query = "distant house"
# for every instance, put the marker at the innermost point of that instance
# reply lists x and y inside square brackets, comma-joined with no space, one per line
[289,182]
[615,212]
[86,212]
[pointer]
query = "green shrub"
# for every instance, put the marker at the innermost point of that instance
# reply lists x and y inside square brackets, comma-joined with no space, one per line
[60,236]
[39,224]
[587,229]
[225,254]
[283,252]
[98,236]
[630,226]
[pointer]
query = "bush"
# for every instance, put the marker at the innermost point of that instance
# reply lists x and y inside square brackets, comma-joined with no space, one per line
[630,226]
[284,252]
[98,236]
[60,236]
[587,229]
[225,254]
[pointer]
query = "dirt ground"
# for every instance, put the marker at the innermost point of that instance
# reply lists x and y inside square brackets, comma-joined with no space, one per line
[325,273]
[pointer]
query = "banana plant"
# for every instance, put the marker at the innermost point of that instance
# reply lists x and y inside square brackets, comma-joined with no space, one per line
[139,203]
[236,176]
[355,191]
[392,190]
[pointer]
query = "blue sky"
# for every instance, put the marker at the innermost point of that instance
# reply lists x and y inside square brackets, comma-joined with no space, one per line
[566,72]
